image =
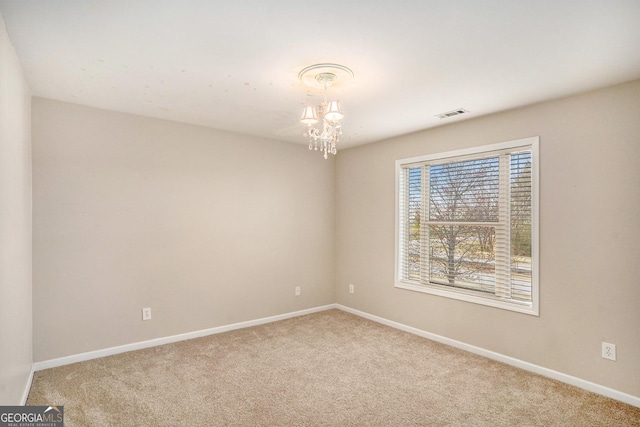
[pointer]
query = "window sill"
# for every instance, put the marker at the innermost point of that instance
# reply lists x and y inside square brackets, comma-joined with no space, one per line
[470,296]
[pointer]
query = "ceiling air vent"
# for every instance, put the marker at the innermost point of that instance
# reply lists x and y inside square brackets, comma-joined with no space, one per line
[451,113]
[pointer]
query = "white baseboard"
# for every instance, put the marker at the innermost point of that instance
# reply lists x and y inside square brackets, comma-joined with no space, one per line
[559,376]
[550,373]
[67,360]
[27,388]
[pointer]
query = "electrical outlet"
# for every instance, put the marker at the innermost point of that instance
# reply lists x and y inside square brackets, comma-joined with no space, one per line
[297,291]
[146,313]
[352,288]
[608,351]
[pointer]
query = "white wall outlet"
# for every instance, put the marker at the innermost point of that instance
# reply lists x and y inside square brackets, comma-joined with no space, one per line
[608,351]
[297,291]
[352,288]
[146,313]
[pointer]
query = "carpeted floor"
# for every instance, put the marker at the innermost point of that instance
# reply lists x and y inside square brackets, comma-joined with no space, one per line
[325,369]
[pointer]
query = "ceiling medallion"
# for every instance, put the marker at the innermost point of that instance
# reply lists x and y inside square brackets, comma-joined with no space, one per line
[328,113]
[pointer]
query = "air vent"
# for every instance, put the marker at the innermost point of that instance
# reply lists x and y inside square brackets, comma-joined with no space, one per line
[451,113]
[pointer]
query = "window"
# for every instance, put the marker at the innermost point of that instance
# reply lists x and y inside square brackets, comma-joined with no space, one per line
[466,225]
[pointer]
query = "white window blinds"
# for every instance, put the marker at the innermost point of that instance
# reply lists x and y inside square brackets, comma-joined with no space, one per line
[465,224]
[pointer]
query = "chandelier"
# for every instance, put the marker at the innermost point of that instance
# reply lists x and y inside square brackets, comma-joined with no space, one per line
[328,114]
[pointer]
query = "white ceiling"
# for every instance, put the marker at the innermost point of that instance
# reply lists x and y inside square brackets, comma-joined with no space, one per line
[233,65]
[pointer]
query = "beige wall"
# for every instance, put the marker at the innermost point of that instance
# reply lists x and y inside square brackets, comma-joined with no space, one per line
[15,226]
[589,241]
[206,227]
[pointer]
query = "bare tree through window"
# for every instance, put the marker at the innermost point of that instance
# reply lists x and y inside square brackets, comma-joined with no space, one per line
[467,224]
[460,221]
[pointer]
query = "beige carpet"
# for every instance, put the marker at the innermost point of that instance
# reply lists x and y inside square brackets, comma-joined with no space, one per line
[325,369]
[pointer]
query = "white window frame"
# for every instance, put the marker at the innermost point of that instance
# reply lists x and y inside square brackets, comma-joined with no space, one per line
[531,308]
